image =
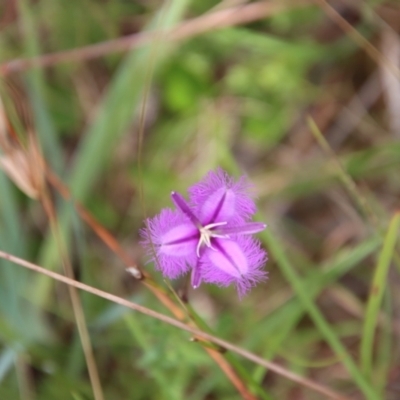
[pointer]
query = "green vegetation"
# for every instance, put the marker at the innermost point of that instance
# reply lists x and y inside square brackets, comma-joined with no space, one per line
[281,94]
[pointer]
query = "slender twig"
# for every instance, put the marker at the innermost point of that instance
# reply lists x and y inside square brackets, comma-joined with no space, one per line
[359,39]
[178,324]
[75,299]
[113,244]
[358,197]
[33,176]
[196,26]
[229,371]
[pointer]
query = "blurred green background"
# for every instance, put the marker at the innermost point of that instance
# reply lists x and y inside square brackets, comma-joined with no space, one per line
[291,97]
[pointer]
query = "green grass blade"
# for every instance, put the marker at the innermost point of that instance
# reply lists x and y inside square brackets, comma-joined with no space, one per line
[277,250]
[376,294]
[384,353]
[113,118]
[116,111]
[36,89]
[14,312]
[282,321]
[349,184]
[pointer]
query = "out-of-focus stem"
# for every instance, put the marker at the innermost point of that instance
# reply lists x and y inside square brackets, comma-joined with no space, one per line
[75,300]
[196,26]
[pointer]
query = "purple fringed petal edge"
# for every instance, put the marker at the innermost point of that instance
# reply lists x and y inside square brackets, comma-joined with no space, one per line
[213,181]
[256,258]
[171,266]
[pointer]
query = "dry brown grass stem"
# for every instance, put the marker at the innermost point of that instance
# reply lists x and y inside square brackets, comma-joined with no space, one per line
[196,26]
[178,324]
[390,47]
[75,299]
[98,229]
[358,197]
[25,166]
[359,39]
[113,244]
[16,161]
[230,373]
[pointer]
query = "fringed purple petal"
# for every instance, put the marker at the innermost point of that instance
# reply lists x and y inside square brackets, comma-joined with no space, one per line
[210,235]
[238,261]
[170,240]
[218,198]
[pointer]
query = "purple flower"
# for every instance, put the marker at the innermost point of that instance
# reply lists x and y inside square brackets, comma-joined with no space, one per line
[211,235]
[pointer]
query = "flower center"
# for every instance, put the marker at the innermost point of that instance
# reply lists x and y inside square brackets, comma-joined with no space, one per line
[206,233]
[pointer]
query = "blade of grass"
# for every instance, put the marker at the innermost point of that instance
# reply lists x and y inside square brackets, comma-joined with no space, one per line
[306,298]
[114,115]
[385,349]
[13,283]
[315,177]
[281,322]
[344,177]
[287,269]
[376,294]
[36,78]
[36,85]
[75,299]
[349,183]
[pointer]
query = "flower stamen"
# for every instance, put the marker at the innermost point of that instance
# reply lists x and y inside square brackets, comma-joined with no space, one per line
[206,233]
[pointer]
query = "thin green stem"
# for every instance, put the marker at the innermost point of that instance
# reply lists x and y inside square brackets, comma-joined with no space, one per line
[326,330]
[377,290]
